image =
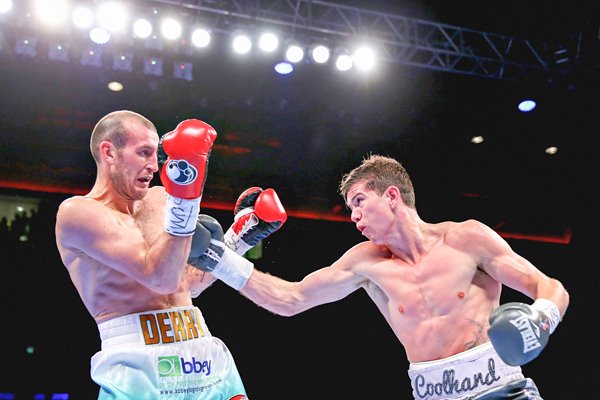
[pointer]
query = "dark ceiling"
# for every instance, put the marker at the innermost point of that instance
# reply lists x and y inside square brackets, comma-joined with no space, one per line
[300,133]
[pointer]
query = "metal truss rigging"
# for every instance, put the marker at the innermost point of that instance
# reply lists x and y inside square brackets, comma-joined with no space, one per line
[399,39]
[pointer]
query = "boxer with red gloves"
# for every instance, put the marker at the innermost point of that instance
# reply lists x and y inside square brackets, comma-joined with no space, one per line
[183,155]
[130,265]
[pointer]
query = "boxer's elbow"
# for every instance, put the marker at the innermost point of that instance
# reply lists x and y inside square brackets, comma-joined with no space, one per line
[162,283]
[283,310]
[565,299]
[288,310]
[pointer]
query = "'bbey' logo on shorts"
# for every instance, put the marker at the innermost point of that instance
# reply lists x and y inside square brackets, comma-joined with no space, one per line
[177,366]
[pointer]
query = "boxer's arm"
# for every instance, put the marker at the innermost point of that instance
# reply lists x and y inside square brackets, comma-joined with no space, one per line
[183,160]
[498,259]
[85,226]
[518,331]
[322,286]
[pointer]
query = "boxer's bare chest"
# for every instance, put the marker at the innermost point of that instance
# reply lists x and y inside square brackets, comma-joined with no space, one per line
[430,286]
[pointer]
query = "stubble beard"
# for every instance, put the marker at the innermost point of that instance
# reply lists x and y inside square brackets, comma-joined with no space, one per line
[121,185]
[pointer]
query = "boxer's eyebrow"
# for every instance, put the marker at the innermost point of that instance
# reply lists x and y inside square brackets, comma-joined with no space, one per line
[352,199]
[349,202]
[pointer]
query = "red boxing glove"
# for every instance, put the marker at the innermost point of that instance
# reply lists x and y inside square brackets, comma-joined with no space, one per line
[258,213]
[187,149]
[183,155]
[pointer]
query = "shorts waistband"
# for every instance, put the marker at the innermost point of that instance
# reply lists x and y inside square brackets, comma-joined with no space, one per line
[461,375]
[470,354]
[171,325]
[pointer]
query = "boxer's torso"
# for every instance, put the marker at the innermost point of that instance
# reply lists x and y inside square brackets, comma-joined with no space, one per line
[437,306]
[108,293]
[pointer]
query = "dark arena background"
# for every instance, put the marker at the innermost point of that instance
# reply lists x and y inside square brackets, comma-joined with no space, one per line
[442,97]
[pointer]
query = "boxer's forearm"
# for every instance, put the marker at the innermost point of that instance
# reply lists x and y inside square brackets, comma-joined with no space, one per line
[322,286]
[164,263]
[274,294]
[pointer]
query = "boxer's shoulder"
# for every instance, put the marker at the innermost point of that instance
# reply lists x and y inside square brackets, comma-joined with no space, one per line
[79,206]
[364,254]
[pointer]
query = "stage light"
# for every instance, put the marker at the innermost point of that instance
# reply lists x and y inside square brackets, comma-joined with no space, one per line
[5,6]
[58,52]
[83,18]
[320,54]
[112,16]
[123,62]
[477,139]
[200,37]
[153,66]
[364,58]
[51,12]
[99,35]
[284,68]
[170,29]
[551,150]
[343,61]
[182,70]
[268,42]
[241,44]
[294,53]
[142,28]
[26,46]
[91,57]
[115,86]
[527,105]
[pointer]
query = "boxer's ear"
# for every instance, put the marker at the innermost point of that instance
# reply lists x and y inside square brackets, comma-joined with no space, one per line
[108,152]
[393,194]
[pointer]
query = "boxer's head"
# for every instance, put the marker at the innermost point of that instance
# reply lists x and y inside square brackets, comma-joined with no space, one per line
[113,128]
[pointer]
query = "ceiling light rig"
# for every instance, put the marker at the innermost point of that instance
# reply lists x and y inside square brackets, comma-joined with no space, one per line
[125,36]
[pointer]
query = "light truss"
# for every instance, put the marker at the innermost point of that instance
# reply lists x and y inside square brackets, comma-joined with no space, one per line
[400,39]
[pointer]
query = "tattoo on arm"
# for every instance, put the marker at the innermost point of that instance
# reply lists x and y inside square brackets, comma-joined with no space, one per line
[195,272]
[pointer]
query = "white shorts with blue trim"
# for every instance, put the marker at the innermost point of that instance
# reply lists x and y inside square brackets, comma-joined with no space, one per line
[164,354]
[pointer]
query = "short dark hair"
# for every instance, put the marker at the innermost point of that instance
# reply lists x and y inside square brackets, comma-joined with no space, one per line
[378,173]
[112,127]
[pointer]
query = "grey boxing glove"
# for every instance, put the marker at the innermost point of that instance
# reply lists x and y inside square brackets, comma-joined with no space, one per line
[207,244]
[208,253]
[519,332]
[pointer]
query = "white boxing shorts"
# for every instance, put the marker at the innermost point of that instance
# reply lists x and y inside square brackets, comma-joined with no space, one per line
[464,375]
[164,354]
